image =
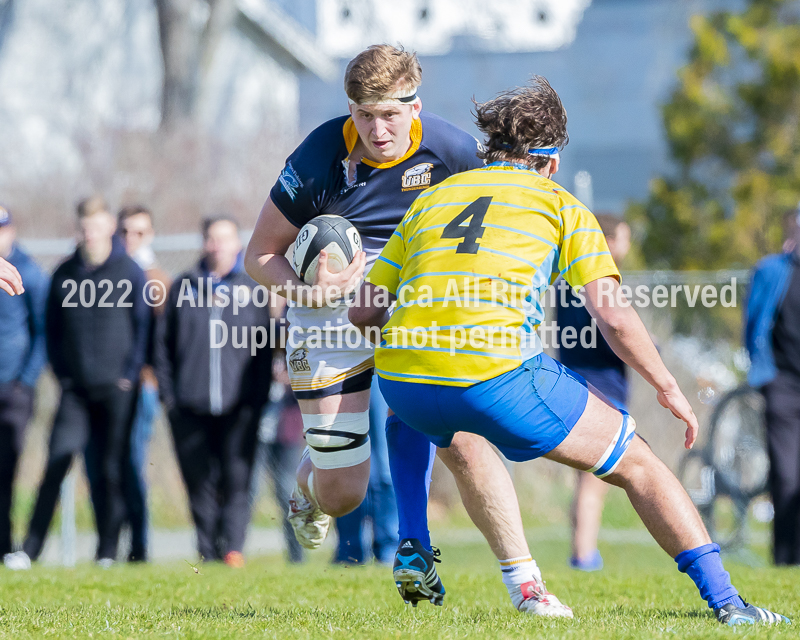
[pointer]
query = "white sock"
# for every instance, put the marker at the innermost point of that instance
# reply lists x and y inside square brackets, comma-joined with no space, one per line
[516,572]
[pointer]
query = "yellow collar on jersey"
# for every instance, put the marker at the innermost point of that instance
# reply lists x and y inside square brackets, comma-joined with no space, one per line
[351,137]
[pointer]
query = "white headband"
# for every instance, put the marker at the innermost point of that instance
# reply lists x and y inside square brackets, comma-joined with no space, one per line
[407,96]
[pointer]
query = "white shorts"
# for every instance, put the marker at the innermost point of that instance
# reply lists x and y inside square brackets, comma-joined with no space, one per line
[325,354]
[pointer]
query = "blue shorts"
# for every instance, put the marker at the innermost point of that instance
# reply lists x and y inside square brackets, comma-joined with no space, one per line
[525,413]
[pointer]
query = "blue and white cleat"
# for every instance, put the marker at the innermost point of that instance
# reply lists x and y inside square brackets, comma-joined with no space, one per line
[732,615]
[415,573]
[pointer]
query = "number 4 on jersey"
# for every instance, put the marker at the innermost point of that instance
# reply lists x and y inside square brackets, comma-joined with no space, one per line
[477,210]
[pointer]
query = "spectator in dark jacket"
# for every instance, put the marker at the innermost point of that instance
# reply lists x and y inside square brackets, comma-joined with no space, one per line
[214,382]
[135,230]
[22,357]
[772,338]
[97,327]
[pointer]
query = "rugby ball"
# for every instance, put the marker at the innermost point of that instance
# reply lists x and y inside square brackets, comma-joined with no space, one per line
[335,235]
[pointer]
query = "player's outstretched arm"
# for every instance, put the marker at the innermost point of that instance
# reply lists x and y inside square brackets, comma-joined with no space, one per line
[265,261]
[623,330]
[10,280]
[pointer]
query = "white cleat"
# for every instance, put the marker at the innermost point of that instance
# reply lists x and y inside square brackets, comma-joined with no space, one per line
[17,561]
[538,601]
[309,522]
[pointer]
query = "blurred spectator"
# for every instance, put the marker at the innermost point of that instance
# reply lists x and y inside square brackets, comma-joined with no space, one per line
[280,446]
[97,327]
[772,337]
[604,370]
[135,229]
[214,395]
[379,506]
[23,354]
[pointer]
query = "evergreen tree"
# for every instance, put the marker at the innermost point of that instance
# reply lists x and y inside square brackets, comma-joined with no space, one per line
[733,125]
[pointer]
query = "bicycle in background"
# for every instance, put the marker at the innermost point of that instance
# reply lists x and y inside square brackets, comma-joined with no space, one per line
[731,471]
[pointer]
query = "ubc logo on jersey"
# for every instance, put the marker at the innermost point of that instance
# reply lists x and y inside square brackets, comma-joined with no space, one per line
[290,181]
[417,177]
[298,361]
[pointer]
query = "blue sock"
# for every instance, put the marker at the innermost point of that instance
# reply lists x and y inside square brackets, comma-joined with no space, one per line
[704,566]
[411,457]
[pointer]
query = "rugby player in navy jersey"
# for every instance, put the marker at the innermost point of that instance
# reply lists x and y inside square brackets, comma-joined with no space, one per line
[369,167]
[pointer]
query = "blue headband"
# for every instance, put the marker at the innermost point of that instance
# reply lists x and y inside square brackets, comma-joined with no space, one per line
[551,152]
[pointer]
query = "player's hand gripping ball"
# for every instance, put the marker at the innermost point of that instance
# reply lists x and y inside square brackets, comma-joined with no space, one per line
[335,235]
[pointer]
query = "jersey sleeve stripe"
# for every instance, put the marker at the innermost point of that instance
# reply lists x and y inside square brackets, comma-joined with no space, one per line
[389,262]
[573,206]
[583,257]
[584,230]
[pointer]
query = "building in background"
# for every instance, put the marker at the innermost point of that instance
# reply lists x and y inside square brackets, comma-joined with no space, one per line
[76,74]
[71,73]
[613,62]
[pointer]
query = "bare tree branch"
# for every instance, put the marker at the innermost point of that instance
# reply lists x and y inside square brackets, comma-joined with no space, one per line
[190,32]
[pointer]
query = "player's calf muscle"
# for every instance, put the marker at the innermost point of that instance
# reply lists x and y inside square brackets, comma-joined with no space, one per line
[340,491]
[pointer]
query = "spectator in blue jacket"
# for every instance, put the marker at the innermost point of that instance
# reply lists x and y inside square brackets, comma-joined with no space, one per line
[772,337]
[22,356]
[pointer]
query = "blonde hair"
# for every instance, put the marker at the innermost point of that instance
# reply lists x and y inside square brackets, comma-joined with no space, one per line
[91,206]
[380,70]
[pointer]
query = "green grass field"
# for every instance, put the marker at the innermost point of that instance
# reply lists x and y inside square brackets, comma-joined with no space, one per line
[639,595]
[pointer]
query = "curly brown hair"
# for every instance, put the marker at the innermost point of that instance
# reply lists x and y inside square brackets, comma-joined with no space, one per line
[520,119]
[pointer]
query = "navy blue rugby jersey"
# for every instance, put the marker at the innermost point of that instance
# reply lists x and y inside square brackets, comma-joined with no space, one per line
[314,180]
[601,356]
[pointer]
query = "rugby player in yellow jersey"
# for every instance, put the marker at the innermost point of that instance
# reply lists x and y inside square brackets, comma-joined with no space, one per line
[467,267]
[357,166]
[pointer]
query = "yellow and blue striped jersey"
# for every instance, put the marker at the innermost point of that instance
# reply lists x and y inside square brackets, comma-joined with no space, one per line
[469,263]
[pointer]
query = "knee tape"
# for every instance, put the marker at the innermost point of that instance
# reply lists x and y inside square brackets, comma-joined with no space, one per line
[337,440]
[619,445]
